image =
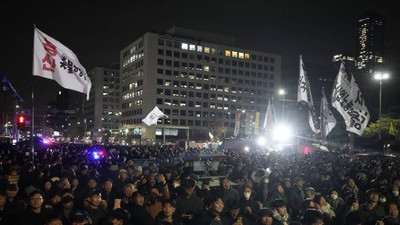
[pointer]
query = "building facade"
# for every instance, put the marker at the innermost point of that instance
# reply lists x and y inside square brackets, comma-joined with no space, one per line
[198,81]
[102,111]
[370,41]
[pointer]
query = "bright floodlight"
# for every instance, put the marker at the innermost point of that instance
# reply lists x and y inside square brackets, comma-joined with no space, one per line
[261,141]
[381,76]
[282,92]
[246,148]
[282,133]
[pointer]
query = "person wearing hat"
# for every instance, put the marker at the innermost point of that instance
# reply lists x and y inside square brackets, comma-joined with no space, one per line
[67,207]
[188,204]
[83,175]
[335,200]
[280,211]
[312,217]
[371,211]
[168,215]
[350,188]
[277,192]
[204,192]
[235,214]
[121,181]
[349,211]
[266,217]
[83,192]
[309,192]
[296,196]
[53,219]
[95,206]
[119,216]
[14,205]
[81,217]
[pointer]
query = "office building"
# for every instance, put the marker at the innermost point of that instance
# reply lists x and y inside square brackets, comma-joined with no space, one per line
[102,111]
[370,41]
[199,80]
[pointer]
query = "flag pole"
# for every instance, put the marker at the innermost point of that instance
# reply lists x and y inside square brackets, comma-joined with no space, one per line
[33,105]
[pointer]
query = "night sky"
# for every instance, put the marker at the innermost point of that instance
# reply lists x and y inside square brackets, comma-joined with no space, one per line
[97,30]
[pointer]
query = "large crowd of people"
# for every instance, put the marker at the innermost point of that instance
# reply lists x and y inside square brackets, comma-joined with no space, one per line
[157,185]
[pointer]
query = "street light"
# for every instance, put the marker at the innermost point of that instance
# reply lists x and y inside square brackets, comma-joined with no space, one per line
[380,77]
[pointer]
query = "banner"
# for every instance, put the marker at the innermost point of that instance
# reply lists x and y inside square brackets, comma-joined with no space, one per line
[360,115]
[270,116]
[348,101]
[302,89]
[341,99]
[237,124]
[393,131]
[54,61]
[8,87]
[257,123]
[153,116]
[304,95]
[328,121]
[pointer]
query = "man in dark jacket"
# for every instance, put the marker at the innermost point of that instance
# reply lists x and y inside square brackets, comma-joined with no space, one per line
[227,192]
[189,204]
[13,206]
[370,211]
[35,213]
[95,206]
[296,196]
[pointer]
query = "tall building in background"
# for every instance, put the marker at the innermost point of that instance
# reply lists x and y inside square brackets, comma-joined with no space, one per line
[102,111]
[200,80]
[370,41]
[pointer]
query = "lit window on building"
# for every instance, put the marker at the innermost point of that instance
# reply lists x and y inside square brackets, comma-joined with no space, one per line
[199,48]
[206,68]
[227,53]
[184,46]
[247,56]
[241,55]
[192,47]
[234,54]
[207,49]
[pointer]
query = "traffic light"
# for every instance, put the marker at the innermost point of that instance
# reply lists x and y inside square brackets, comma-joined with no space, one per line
[21,120]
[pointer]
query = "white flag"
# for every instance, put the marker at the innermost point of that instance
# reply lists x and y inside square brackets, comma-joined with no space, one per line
[270,116]
[52,60]
[360,115]
[349,102]
[303,83]
[153,116]
[341,99]
[304,95]
[328,121]
[210,135]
